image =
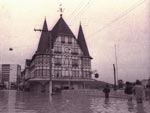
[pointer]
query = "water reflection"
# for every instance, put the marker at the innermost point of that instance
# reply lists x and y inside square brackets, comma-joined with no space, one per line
[130,106]
[140,108]
[11,101]
[107,103]
[26,102]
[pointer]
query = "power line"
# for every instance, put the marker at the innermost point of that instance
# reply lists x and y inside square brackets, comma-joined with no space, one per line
[82,10]
[119,17]
[77,8]
[76,11]
[90,3]
[86,5]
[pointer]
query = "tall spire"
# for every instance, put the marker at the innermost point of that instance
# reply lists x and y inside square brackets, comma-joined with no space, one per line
[82,42]
[45,25]
[44,40]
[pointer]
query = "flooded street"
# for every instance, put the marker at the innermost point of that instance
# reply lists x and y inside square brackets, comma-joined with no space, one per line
[27,102]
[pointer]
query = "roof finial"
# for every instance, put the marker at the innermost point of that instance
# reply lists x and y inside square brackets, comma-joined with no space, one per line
[61,10]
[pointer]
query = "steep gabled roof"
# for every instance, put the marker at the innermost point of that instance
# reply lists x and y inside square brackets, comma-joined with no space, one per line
[82,42]
[60,28]
[44,40]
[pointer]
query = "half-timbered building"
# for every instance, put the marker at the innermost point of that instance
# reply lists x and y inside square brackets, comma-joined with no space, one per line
[70,59]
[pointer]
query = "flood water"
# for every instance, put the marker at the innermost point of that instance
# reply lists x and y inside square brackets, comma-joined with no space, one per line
[27,102]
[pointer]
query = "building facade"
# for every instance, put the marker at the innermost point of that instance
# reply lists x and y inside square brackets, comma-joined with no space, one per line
[70,59]
[10,74]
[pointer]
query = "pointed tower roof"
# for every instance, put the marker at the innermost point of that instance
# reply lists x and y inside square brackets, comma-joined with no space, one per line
[44,40]
[27,63]
[82,42]
[60,28]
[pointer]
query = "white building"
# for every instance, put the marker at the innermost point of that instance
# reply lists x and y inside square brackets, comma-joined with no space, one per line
[10,74]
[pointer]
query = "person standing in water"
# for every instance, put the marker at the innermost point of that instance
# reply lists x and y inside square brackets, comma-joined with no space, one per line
[106,91]
[138,89]
[128,91]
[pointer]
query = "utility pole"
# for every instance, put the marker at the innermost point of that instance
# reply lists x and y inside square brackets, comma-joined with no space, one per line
[114,76]
[116,64]
[50,58]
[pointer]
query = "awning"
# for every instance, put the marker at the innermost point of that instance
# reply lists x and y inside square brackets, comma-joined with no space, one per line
[61,79]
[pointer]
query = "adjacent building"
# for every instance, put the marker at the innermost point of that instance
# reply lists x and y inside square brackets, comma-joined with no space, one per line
[70,59]
[10,75]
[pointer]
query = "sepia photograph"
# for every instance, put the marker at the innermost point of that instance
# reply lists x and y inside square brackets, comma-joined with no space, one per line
[74,56]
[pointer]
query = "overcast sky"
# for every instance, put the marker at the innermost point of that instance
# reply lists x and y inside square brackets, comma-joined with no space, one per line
[124,23]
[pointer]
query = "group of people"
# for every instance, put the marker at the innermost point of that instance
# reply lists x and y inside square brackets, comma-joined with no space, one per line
[136,89]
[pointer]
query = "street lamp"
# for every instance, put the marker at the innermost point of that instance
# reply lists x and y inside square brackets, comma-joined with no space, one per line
[10,49]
